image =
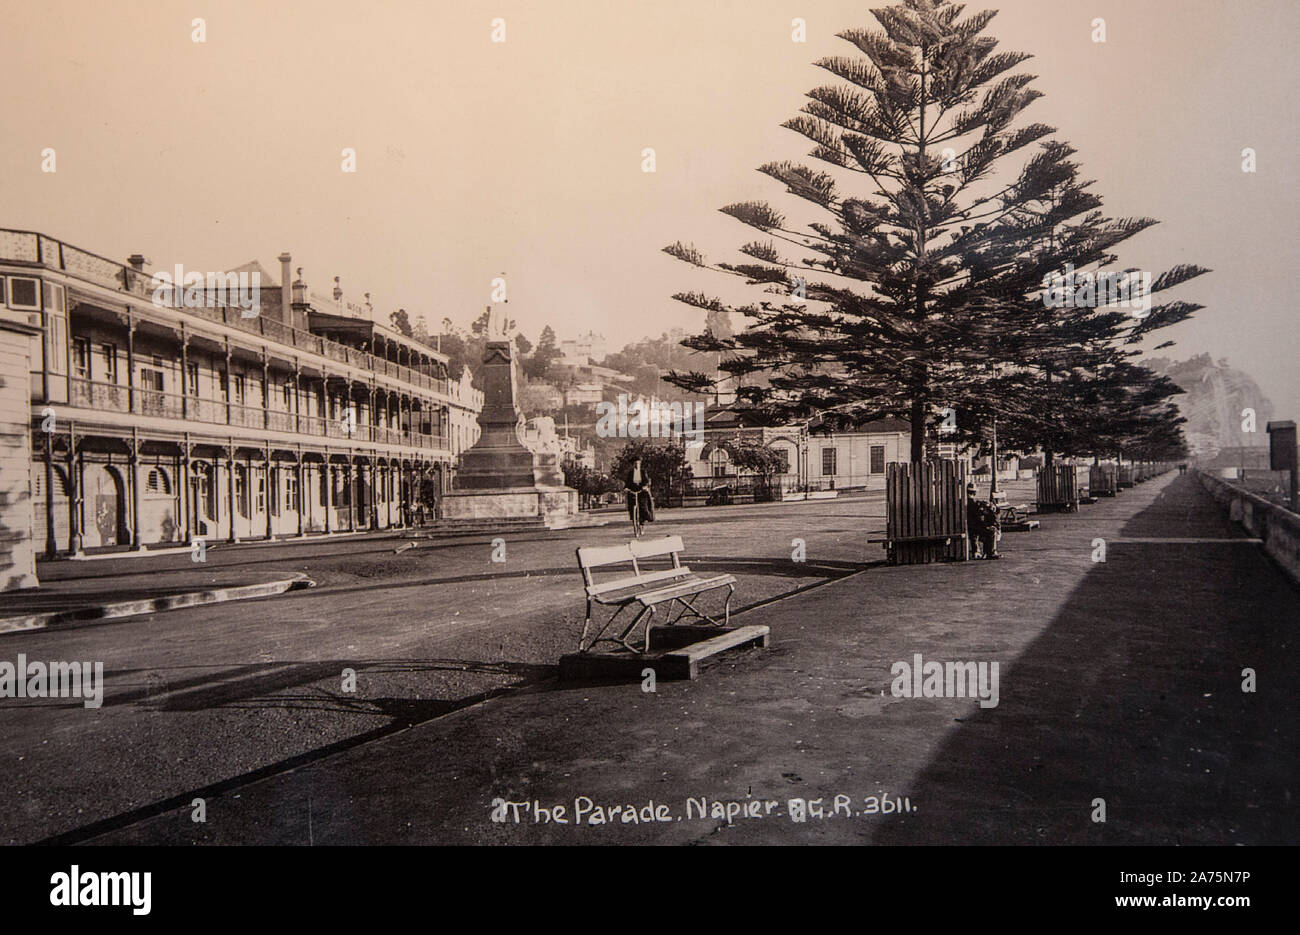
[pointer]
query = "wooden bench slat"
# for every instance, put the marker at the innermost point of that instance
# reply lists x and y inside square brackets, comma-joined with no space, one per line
[694,586]
[636,581]
[648,548]
[594,556]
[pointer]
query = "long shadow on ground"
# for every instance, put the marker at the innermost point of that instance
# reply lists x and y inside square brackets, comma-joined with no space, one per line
[1134,694]
[248,686]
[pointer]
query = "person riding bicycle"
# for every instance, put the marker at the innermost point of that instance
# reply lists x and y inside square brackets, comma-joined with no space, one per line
[640,503]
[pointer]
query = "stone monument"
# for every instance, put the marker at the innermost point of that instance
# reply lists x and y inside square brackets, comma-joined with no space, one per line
[499,477]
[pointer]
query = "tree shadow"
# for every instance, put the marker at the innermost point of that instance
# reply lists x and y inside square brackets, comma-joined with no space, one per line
[261,686]
[1134,694]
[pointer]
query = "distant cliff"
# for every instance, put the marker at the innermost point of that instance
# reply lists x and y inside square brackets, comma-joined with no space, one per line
[1214,396]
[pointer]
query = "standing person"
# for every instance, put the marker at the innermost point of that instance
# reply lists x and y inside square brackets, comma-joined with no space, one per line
[640,504]
[982,526]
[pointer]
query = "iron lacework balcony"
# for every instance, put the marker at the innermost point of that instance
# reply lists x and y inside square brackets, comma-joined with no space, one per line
[113,397]
[32,248]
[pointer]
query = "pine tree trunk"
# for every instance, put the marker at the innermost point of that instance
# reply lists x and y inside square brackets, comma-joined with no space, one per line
[918,403]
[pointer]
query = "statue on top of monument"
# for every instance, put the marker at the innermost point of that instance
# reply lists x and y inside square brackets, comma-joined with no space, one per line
[500,326]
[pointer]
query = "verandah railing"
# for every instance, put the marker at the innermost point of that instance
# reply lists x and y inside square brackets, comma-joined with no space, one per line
[31,247]
[113,397]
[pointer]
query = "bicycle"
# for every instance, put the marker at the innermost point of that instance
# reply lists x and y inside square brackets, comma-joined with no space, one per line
[637,525]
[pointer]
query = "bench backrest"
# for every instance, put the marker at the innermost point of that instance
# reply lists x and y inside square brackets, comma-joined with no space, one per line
[602,556]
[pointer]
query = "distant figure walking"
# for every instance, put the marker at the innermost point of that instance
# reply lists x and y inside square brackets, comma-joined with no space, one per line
[1182,468]
[640,502]
[982,525]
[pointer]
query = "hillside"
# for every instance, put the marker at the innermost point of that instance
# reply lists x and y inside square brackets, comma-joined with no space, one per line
[1214,396]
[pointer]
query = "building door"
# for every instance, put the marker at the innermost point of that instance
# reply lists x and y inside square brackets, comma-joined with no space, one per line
[105,506]
[202,501]
[151,396]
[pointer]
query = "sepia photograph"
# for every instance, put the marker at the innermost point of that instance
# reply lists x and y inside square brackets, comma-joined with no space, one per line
[690,422]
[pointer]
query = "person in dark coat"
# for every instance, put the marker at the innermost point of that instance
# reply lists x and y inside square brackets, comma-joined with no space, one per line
[637,484]
[981,525]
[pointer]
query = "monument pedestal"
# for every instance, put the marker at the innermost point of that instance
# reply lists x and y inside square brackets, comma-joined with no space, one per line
[557,507]
[499,477]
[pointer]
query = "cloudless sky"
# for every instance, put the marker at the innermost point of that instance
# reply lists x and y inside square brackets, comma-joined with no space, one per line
[524,157]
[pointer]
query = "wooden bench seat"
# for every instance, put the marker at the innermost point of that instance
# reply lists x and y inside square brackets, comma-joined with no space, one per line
[645,590]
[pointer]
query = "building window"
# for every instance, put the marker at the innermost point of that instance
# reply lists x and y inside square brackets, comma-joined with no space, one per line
[151,380]
[81,359]
[291,491]
[109,352]
[56,340]
[241,490]
[151,397]
[54,300]
[877,459]
[25,293]
[192,379]
[784,466]
[828,462]
[237,383]
[223,386]
[158,482]
[288,395]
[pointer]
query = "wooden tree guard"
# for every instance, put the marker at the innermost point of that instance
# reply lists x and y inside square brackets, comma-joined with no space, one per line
[1125,476]
[1082,477]
[1058,488]
[1101,480]
[925,512]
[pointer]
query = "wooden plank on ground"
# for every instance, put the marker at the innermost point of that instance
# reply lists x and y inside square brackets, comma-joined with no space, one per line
[691,656]
[681,663]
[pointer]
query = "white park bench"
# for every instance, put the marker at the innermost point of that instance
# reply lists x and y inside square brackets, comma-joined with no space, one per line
[674,589]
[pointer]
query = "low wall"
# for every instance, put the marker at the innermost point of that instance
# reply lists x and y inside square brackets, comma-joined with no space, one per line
[1279,528]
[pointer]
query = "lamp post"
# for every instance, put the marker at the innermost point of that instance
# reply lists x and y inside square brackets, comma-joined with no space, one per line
[993,484]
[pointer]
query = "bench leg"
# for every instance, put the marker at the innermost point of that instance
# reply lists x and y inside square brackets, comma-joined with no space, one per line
[646,612]
[585,645]
[586,625]
[699,614]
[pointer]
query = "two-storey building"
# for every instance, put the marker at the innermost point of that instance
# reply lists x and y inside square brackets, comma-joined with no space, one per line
[167,421]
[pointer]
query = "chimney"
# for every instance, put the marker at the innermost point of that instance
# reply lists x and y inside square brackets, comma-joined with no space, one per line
[286,300]
[300,304]
[137,261]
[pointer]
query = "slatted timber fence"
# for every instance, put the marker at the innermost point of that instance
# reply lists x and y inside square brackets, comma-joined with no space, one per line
[1102,480]
[925,512]
[1058,488]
